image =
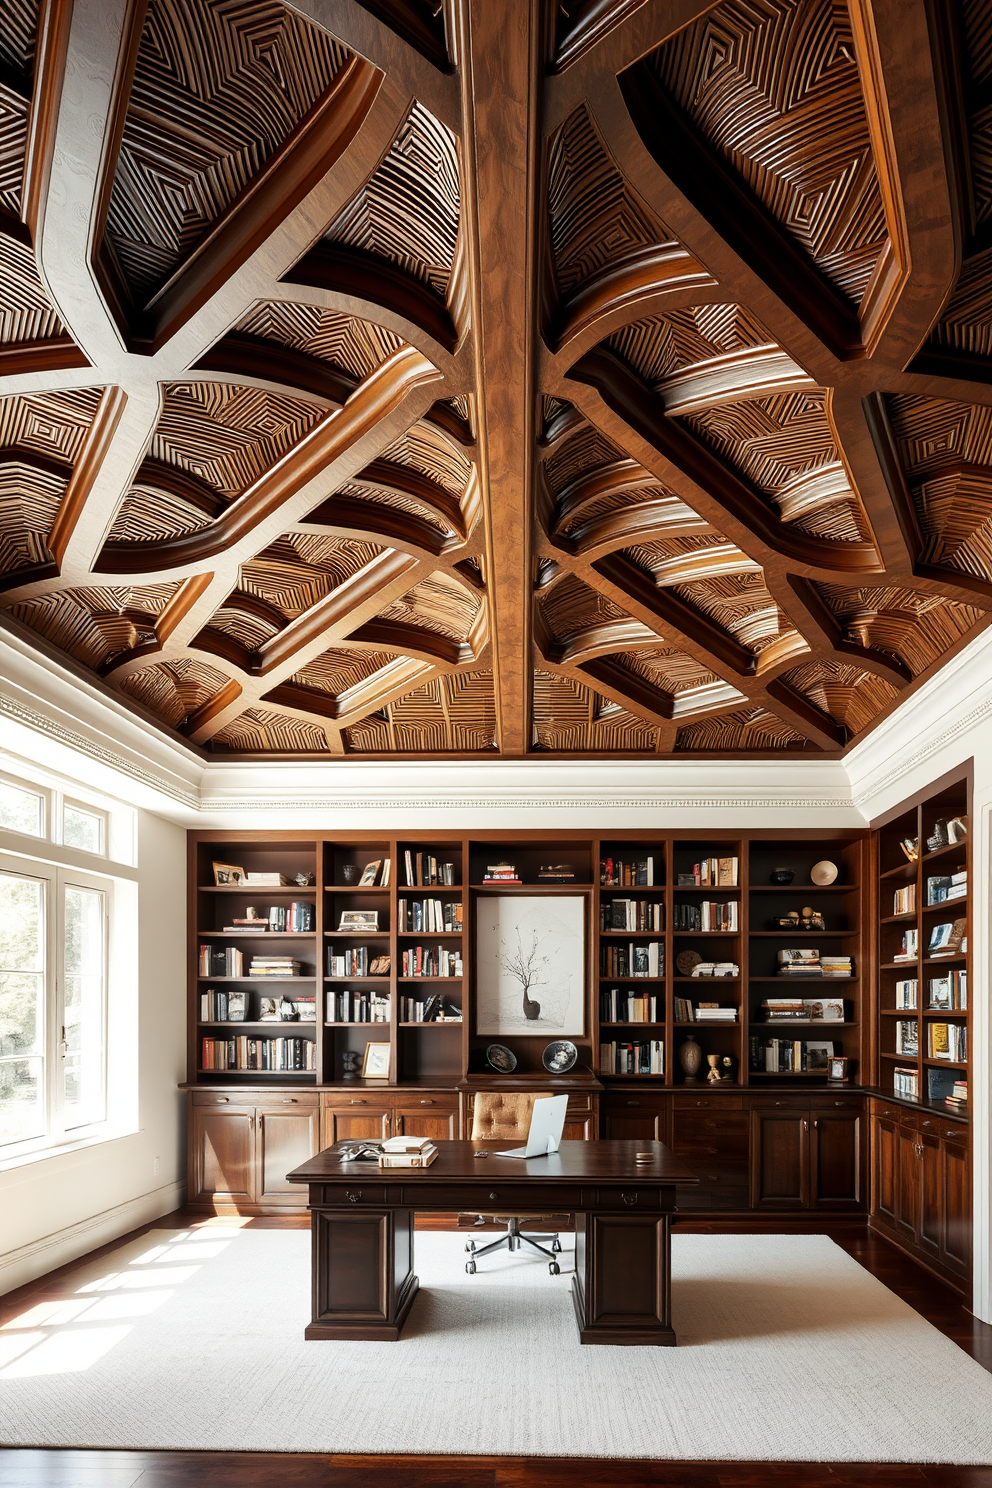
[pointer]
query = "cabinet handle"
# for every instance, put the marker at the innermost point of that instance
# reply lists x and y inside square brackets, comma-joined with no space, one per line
[951,1132]
[633,1103]
[816,1125]
[926,1123]
[354,1195]
[251,1121]
[494,1195]
[223,1100]
[630,1199]
[426,1102]
[805,1125]
[358,1103]
[291,1100]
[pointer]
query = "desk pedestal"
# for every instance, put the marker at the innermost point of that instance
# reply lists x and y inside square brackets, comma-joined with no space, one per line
[363,1280]
[622,1288]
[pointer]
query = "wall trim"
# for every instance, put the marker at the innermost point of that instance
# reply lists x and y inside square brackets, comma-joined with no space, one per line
[39,1257]
[252,804]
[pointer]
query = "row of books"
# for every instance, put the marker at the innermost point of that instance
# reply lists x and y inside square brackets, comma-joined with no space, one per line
[947,939]
[243,1053]
[708,915]
[298,917]
[948,1041]
[906,1082]
[635,873]
[907,1036]
[220,961]
[431,1009]
[348,1006]
[424,871]
[357,961]
[633,961]
[784,1009]
[720,872]
[617,1005]
[904,900]
[433,916]
[947,886]
[632,914]
[431,961]
[947,993]
[640,1057]
[780,1056]
[809,962]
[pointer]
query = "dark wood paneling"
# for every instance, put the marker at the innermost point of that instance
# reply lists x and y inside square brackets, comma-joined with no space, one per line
[779,1157]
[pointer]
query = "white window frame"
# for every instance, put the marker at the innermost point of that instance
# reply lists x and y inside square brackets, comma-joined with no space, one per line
[31,788]
[87,809]
[57,879]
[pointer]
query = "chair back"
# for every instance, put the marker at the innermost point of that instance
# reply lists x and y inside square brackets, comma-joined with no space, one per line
[504,1115]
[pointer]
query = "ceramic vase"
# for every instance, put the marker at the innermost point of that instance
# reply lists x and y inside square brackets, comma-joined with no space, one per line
[690,1058]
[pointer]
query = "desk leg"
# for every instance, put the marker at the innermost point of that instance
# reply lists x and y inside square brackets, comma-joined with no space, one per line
[622,1285]
[363,1281]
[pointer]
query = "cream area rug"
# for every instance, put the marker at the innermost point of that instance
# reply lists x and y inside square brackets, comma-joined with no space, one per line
[788,1351]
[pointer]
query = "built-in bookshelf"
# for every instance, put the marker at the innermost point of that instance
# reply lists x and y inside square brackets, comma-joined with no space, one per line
[924,937]
[688,941]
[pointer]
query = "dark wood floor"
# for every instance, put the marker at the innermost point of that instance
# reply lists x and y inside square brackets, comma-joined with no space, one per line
[32,1468]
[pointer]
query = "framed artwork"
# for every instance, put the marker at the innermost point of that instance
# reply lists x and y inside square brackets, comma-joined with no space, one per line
[531,964]
[226,876]
[375,1065]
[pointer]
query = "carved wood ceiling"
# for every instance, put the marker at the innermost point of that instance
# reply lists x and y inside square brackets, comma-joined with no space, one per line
[406,378]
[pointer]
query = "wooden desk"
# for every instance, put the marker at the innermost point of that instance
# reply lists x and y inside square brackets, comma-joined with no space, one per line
[362,1232]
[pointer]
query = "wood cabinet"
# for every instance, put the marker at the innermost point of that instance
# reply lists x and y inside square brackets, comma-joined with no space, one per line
[921,1186]
[807,1153]
[241,1151]
[709,1132]
[375,1115]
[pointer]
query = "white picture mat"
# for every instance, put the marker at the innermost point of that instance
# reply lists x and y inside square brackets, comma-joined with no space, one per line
[540,939]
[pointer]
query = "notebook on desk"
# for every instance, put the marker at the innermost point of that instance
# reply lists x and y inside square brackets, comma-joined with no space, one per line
[547,1122]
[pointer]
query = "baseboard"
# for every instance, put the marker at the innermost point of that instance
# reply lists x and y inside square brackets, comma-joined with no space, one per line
[28,1262]
[956,1283]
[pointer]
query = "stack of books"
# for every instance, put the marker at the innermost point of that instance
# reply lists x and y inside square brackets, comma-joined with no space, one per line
[501,873]
[958,1098]
[943,887]
[716,969]
[266,880]
[836,966]
[949,939]
[407,1152]
[711,1012]
[274,966]
[799,963]
[558,873]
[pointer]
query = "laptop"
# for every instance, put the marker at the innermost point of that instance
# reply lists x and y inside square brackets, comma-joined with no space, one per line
[547,1121]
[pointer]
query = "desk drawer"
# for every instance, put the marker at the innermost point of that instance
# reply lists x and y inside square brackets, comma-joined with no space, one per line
[622,1198]
[495,1198]
[359,1194]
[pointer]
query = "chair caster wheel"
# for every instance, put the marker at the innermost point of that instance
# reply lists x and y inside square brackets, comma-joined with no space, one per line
[469,1245]
[470,1267]
[554,1268]
[556,1244]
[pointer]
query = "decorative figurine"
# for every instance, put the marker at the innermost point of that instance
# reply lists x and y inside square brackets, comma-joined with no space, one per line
[727,1065]
[350,1064]
[690,1058]
[713,1078]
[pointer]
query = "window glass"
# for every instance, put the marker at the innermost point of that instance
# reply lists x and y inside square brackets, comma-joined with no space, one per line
[22,1008]
[84,1088]
[83,829]
[21,810]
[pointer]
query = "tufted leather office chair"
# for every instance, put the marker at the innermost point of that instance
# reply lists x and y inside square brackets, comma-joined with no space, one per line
[503,1116]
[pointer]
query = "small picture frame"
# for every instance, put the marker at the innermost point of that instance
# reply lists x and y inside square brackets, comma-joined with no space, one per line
[237,1007]
[836,1067]
[227,876]
[359,919]
[369,874]
[375,1065]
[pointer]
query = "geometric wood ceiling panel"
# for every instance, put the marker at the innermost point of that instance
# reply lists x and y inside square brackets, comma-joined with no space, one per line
[392,380]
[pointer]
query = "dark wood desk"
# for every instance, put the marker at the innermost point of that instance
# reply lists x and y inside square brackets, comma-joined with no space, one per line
[362,1232]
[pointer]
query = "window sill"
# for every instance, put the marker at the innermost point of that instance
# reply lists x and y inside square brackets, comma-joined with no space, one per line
[64,1147]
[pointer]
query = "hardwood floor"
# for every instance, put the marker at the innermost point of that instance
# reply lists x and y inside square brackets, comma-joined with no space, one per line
[34,1468]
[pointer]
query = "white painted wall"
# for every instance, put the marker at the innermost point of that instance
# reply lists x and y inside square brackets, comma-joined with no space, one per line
[57,1208]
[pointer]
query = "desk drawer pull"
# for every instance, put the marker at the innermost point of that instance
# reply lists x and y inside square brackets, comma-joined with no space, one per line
[630,1199]
[426,1102]
[358,1103]
[354,1195]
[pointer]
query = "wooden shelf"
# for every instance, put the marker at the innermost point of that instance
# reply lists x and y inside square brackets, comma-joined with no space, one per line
[357,934]
[267,1023]
[961,848]
[379,981]
[808,889]
[256,980]
[430,934]
[253,889]
[783,934]
[357,889]
[257,934]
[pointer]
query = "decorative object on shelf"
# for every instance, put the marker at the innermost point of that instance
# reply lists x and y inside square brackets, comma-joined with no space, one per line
[370,873]
[690,1058]
[716,969]
[559,873]
[268,1010]
[805,919]
[957,830]
[350,1061]
[375,1065]
[728,1069]
[501,1059]
[687,961]
[713,1075]
[823,873]
[782,875]
[226,876]
[911,848]
[938,837]
[237,1007]
[287,1011]
[359,919]
[350,873]
[501,873]
[559,1056]
[303,880]
[836,1067]
[686,881]
[530,964]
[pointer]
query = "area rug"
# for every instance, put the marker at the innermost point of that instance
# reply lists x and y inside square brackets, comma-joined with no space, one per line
[788,1351]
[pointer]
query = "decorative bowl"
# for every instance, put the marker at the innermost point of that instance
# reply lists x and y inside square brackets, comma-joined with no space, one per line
[501,1059]
[559,1056]
[782,875]
[823,873]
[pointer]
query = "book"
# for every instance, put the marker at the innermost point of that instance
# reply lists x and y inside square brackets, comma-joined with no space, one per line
[408,1159]
[266,880]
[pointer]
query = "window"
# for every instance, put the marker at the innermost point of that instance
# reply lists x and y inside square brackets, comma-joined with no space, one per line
[53,1003]
[22,810]
[84,827]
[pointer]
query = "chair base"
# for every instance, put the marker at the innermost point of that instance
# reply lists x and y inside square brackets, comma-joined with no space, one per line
[513,1239]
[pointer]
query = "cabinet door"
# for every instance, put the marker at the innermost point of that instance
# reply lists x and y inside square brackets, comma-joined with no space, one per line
[956,1244]
[287,1136]
[713,1142]
[835,1159]
[907,1207]
[779,1159]
[635,1118]
[434,1116]
[223,1155]
[885,1164]
[580,1128]
[357,1118]
[930,1235]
